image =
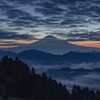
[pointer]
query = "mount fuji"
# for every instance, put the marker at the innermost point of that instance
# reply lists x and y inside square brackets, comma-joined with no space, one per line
[53,45]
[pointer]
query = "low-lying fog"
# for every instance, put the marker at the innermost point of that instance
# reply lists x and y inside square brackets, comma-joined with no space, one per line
[90,79]
[44,67]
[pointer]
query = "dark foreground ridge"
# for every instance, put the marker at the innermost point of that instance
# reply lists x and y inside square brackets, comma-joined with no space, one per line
[16,80]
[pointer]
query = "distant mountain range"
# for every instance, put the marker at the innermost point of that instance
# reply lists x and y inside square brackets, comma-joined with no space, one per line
[38,55]
[67,73]
[8,53]
[71,57]
[53,45]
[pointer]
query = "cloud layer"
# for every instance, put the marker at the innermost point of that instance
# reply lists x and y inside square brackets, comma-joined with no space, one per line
[78,20]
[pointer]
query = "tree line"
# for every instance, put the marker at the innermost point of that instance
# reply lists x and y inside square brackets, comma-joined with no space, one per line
[17,80]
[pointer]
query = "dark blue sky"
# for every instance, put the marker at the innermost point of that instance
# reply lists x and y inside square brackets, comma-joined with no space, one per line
[24,21]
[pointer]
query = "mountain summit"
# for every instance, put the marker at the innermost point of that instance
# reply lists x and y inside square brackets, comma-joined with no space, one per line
[49,37]
[53,45]
[50,41]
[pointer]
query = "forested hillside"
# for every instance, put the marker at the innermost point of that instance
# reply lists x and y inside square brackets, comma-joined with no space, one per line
[17,80]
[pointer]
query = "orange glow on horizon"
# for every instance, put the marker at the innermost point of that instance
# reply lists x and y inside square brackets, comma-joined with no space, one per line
[95,44]
[17,41]
[8,46]
[5,43]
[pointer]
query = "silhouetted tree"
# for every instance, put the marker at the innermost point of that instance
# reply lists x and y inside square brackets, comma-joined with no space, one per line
[16,59]
[33,71]
[97,95]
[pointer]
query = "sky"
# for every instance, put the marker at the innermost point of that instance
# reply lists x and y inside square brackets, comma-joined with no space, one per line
[26,21]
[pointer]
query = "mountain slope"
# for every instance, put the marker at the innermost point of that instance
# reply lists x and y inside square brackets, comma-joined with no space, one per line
[56,46]
[8,53]
[37,55]
[16,80]
[53,45]
[82,57]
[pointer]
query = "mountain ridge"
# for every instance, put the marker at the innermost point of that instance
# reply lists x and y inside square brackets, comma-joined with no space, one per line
[37,55]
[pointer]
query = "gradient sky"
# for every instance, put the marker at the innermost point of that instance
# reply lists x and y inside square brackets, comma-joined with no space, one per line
[26,21]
